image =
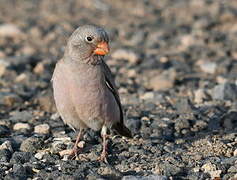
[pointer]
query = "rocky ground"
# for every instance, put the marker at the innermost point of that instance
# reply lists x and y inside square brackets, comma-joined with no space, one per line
[176,67]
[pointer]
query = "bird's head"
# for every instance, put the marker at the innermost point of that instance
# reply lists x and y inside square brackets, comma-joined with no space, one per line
[87,42]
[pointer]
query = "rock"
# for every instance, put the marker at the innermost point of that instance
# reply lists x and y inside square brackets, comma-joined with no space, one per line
[181,124]
[18,169]
[9,99]
[5,155]
[226,91]
[199,96]
[212,170]
[3,66]
[126,54]
[162,81]
[235,153]
[42,129]
[19,126]
[6,145]
[39,68]
[4,130]
[169,169]
[24,116]
[147,96]
[10,30]
[40,155]
[150,177]
[46,102]
[184,105]
[20,157]
[229,120]
[134,124]
[207,67]
[31,144]
[22,78]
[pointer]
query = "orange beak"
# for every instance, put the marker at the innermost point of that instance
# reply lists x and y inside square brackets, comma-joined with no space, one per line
[102,48]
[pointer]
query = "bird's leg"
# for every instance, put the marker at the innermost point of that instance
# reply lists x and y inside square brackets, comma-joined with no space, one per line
[75,149]
[103,156]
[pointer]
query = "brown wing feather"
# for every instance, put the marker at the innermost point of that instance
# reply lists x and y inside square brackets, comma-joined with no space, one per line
[109,80]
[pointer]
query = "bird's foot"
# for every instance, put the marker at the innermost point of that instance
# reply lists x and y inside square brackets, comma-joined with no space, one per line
[103,157]
[74,153]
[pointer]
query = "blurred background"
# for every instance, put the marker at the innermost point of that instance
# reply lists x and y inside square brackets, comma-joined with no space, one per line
[176,68]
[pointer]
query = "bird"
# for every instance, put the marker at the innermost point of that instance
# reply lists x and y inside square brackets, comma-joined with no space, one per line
[84,89]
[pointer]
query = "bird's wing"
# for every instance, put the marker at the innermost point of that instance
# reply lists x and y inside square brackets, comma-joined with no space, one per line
[110,83]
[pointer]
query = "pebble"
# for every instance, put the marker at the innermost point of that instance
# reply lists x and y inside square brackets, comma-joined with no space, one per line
[3,66]
[207,67]
[6,145]
[10,30]
[24,116]
[199,96]
[225,91]
[9,99]
[46,102]
[235,152]
[5,155]
[150,177]
[22,78]
[39,68]
[129,55]
[212,170]
[162,81]
[19,126]
[40,155]
[4,130]
[31,144]
[42,129]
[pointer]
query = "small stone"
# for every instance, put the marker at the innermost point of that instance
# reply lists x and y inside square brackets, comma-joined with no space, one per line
[226,91]
[39,68]
[17,116]
[6,145]
[131,73]
[209,167]
[46,102]
[81,144]
[42,129]
[21,78]
[20,157]
[10,30]
[150,177]
[184,105]
[125,54]
[207,67]
[199,96]
[31,144]
[40,155]
[147,95]
[19,126]
[235,152]
[9,99]
[3,66]
[181,124]
[5,155]
[162,81]
[4,130]
[55,116]
[65,152]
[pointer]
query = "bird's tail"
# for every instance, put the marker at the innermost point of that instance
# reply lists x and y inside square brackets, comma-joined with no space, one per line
[122,130]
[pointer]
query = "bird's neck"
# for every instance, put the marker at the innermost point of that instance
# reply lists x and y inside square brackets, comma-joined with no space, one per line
[91,60]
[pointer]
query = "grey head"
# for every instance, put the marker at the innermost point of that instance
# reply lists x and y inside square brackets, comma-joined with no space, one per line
[86,43]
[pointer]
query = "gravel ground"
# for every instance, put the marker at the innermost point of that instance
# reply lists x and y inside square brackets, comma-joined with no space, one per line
[176,67]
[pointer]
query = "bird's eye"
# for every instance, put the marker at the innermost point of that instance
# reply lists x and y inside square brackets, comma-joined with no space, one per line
[89,38]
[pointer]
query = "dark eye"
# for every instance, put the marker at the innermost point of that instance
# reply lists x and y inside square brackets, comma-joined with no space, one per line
[89,38]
